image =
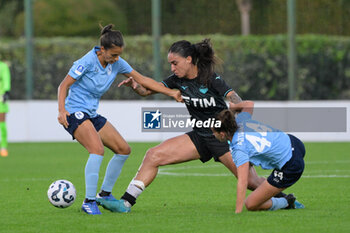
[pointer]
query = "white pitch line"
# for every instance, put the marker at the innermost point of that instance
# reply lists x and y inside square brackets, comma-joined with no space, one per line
[25,179]
[327,162]
[219,165]
[171,171]
[191,174]
[228,174]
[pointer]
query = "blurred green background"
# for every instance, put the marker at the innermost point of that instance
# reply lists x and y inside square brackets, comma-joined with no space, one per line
[255,65]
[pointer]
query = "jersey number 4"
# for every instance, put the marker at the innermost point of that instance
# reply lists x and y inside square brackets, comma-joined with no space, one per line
[259,143]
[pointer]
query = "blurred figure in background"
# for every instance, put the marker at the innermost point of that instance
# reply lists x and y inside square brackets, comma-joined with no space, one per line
[5,86]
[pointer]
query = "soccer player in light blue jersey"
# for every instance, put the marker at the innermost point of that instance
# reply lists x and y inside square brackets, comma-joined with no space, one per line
[87,80]
[255,143]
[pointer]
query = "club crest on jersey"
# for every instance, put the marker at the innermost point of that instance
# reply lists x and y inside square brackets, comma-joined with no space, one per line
[79,115]
[79,70]
[203,89]
[152,119]
[109,70]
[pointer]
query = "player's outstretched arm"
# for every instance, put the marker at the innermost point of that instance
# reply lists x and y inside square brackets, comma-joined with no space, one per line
[136,87]
[154,85]
[242,185]
[233,97]
[244,106]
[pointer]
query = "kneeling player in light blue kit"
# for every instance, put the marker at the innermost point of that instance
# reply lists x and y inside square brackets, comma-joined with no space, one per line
[88,79]
[255,143]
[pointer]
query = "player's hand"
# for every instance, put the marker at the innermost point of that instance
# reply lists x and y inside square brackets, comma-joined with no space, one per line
[177,96]
[233,107]
[6,96]
[62,118]
[130,82]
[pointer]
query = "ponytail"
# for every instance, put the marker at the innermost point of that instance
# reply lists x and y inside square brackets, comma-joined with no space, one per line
[110,38]
[205,61]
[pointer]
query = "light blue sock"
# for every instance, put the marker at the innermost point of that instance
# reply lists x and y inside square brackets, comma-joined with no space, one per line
[92,169]
[278,203]
[114,168]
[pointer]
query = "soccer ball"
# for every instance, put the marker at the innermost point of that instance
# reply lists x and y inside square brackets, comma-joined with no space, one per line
[61,193]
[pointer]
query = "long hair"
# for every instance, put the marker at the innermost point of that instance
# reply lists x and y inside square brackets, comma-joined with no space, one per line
[202,55]
[228,122]
[110,38]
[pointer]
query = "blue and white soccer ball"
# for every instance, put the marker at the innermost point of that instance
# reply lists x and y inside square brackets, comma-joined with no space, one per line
[61,193]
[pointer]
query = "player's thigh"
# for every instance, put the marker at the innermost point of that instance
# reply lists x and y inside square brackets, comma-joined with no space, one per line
[87,136]
[112,139]
[260,195]
[174,150]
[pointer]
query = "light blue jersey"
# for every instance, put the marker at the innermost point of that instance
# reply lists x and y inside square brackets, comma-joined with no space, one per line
[259,144]
[92,82]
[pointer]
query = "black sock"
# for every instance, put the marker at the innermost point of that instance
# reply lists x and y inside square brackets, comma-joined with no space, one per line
[129,198]
[88,200]
[281,194]
[104,193]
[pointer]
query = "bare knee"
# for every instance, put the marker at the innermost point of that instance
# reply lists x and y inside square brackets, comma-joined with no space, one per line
[96,149]
[250,205]
[153,156]
[125,150]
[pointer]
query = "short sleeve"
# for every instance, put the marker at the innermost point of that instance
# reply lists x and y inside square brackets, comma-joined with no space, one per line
[79,68]
[220,85]
[124,67]
[239,157]
[170,82]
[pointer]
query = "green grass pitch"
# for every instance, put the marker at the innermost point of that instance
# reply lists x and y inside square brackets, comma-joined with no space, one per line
[189,197]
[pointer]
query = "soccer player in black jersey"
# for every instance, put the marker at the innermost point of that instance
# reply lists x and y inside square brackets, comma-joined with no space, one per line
[203,92]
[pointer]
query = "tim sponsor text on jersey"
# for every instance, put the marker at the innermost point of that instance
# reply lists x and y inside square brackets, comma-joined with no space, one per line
[200,102]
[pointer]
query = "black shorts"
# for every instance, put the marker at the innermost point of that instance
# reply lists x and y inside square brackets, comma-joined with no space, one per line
[293,169]
[208,146]
[76,118]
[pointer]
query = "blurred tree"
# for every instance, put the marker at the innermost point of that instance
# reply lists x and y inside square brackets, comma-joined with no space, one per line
[8,13]
[72,18]
[244,7]
[180,17]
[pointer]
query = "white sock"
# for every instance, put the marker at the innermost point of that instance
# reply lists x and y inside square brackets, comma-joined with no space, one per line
[135,188]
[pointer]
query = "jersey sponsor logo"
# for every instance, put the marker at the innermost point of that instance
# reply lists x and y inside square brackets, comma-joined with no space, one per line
[203,89]
[79,70]
[184,87]
[218,77]
[200,102]
[152,119]
[79,115]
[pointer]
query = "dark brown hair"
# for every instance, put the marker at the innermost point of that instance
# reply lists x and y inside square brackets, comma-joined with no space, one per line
[228,122]
[202,55]
[110,38]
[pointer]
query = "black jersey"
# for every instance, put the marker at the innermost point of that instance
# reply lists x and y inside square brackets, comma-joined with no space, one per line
[202,102]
